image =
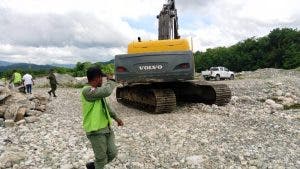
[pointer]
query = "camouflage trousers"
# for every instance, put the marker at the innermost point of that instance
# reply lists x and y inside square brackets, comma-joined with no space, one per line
[104,148]
[53,89]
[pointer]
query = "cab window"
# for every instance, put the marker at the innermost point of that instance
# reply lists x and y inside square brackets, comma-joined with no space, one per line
[214,69]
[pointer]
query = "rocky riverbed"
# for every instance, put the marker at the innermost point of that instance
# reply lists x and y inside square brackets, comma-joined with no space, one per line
[259,128]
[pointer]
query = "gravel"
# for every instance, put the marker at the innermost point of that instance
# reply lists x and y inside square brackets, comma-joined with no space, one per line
[252,131]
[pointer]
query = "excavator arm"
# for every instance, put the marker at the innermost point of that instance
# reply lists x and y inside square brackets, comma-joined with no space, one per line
[168,22]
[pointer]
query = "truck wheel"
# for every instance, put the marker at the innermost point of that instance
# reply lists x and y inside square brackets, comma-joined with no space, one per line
[231,77]
[217,77]
[206,78]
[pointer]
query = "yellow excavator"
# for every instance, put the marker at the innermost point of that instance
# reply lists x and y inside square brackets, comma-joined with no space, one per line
[157,74]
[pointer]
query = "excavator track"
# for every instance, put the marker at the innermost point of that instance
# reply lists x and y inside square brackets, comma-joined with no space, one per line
[154,100]
[162,97]
[203,92]
[223,94]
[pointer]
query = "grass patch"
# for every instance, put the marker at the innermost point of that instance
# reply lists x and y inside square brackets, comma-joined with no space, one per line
[298,69]
[294,106]
[239,76]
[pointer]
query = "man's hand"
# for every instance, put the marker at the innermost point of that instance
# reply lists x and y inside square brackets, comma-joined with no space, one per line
[110,77]
[120,122]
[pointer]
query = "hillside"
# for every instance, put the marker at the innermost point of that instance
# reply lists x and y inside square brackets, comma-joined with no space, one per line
[25,66]
[4,63]
[40,70]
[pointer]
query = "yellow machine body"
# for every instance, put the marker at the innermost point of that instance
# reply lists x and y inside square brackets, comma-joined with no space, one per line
[158,46]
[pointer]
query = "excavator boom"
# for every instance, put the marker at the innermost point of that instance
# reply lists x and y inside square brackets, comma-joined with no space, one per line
[168,22]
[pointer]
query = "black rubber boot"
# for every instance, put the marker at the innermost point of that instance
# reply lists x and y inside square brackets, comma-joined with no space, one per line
[90,165]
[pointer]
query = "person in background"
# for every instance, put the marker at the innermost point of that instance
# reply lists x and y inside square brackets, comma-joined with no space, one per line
[53,83]
[28,82]
[3,79]
[16,79]
[97,118]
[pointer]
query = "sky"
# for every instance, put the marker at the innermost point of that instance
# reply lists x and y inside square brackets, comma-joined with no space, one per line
[71,31]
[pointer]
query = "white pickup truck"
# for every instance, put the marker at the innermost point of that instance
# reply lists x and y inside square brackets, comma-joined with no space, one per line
[218,73]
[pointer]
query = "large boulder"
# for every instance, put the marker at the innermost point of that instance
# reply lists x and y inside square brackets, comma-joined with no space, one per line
[36,103]
[30,105]
[16,97]
[19,108]
[1,122]
[21,122]
[11,111]
[2,110]
[33,113]
[20,114]
[31,119]
[10,158]
[4,94]
[42,99]
[274,105]
[41,108]
[288,101]
[9,123]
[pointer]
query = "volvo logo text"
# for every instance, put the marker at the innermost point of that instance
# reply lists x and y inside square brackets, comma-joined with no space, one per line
[151,67]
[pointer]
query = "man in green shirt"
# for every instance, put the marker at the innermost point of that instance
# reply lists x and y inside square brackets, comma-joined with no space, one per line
[97,118]
[16,79]
[4,80]
[53,83]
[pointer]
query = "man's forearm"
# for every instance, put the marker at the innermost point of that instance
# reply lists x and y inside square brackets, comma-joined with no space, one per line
[99,92]
[112,113]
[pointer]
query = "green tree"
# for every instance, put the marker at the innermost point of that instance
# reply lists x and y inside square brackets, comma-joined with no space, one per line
[279,49]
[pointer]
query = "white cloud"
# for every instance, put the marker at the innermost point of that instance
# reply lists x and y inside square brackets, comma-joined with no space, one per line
[231,21]
[103,8]
[55,31]
[82,30]
[61,55]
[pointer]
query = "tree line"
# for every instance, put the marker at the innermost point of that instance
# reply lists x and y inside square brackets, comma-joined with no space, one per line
[81,68]
[279,49]
[78,71]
